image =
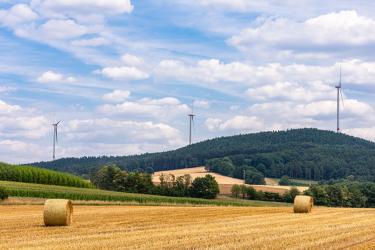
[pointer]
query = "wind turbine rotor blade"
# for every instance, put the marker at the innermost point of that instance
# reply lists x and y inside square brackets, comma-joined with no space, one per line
[342,98]
[56,135]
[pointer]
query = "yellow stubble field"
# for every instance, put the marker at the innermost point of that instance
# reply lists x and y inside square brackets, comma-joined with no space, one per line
[146,227]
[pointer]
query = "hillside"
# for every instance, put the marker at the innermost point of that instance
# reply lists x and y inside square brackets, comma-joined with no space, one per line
[31,174]
[225,182]
[300,153]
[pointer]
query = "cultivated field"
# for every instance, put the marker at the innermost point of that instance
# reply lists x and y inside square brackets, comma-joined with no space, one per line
[225,182]
[137,227]
[19,189]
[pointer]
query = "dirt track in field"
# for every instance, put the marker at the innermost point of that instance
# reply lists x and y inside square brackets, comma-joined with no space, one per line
[137,227]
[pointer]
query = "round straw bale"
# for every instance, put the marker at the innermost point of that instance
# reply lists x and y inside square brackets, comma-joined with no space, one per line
[303,204]
[58,212]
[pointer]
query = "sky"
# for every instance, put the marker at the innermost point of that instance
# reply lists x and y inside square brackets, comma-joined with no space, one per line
[122,75]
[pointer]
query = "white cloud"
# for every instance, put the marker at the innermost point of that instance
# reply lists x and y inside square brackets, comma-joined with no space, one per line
[327,33]
[63,29]
[117,96]
[239,123]
[164,108]
[115,131]
[50,76]
[123,72]
[292,91]
[131,60]
[17,15]
[7,108]
[202,104]
[93,42]
[81,7]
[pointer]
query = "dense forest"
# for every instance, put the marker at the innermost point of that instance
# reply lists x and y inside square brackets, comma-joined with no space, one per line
[299,153]
[41,176]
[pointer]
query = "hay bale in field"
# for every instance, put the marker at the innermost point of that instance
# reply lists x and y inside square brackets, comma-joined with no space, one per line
[303,204]
[58,212]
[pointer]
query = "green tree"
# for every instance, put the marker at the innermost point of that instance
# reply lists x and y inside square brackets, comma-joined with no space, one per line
[3,193]
[252,176]
[284,181]
[251,193]
[243,189]
[204,187]
[104,177]
[291,194]
[236,190]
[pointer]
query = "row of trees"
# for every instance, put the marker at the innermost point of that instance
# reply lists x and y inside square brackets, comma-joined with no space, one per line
[248,192]
[113,178]
[225,166]
[344,194]
[30,174]
[301,153]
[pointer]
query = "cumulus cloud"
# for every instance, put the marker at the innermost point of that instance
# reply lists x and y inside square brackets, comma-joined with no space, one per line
[18,14]
[164,108]
[292,91]
[8,108]
[124,72]
[236,123]
[114,131]
[81,7]
[328,34]
[131,60]
[205,104]
[52,77]
[117,95]
[63,29]
[93,42]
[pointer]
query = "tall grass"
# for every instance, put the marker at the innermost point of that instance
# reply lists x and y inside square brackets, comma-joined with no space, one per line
[30,174]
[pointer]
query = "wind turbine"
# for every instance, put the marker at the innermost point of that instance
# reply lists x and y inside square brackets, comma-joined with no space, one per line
[55,138]
[339,94]
[191,122]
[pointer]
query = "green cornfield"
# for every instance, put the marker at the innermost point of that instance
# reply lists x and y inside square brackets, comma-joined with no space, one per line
[30,174]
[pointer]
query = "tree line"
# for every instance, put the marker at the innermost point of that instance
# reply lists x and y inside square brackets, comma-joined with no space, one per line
[248,192]
[30,174]
[115,179]
[300,153]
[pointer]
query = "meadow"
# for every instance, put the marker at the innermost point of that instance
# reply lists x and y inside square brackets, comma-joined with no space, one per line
[149,227]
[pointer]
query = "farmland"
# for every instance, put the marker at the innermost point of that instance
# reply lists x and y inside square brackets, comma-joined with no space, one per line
[18,189]
[225,182]
[140,227]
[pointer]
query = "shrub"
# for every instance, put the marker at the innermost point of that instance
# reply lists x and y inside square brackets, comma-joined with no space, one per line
[236,190]
[204,187]
[284,181]
[3,193]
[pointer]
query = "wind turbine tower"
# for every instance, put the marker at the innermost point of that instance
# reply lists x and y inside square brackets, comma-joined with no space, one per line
[191,123]
[339,93]
[55,138]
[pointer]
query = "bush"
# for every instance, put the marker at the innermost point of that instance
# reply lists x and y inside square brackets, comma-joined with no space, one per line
[3,193]
[204,187]
[236,190]
[284,181]
[291,194]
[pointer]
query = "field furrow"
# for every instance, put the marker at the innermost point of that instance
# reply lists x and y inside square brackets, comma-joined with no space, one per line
[139,227]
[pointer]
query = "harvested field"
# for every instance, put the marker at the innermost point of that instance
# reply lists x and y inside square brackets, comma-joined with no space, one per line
[140,227]
[225,182]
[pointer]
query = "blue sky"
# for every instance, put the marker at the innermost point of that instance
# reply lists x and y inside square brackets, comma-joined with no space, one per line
[122,75]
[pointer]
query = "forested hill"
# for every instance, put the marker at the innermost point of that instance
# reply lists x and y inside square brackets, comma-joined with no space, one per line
[300,153]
